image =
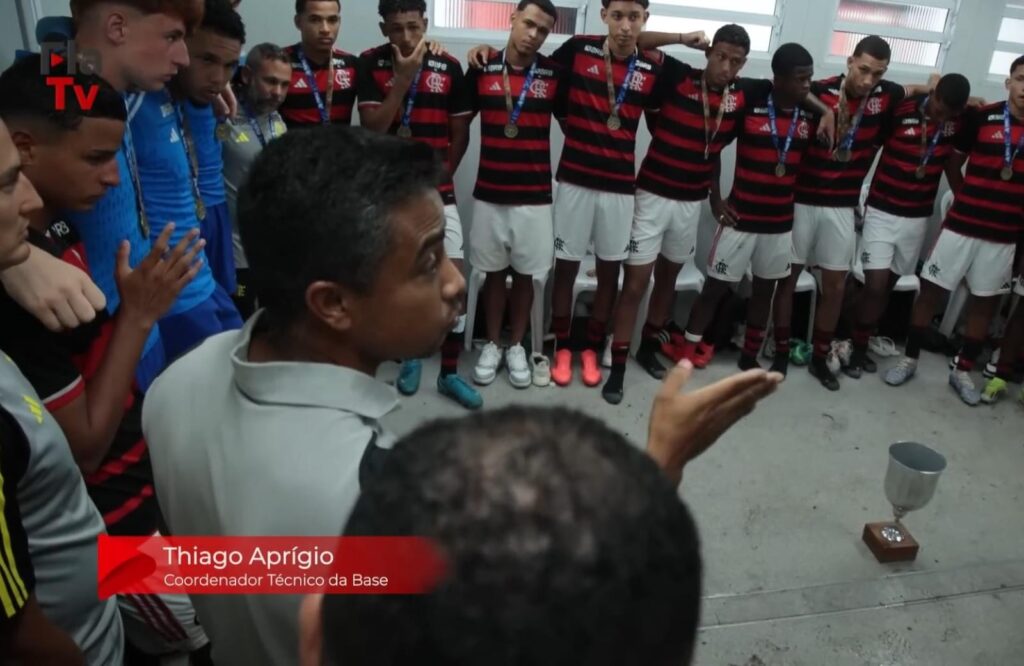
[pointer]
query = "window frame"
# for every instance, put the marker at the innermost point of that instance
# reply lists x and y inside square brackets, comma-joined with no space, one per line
[773,21]
[479,35]
[944,39]
[1013,47]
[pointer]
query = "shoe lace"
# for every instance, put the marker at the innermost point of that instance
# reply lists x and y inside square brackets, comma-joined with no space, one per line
[906,363]
[516,356]
[491,354]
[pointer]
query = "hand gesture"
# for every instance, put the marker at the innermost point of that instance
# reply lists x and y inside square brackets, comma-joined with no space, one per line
[226,104]
[696,40]
[724,213]
[479,55]
[406,68]
[684,425]
[148,291]
[436,48]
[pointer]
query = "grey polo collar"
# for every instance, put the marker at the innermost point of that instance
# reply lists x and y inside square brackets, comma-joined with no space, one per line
[309,384]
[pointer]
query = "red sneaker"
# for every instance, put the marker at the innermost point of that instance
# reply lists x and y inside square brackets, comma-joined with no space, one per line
[677,351]
[561,371]
[702,355]
[591,369]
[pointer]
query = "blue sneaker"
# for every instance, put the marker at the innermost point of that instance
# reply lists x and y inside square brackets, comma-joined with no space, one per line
[409,377]
[460,391]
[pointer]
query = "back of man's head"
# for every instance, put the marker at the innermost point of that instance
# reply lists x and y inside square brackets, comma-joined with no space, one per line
[316,208]
[565,545]
[189,11]
[27,99]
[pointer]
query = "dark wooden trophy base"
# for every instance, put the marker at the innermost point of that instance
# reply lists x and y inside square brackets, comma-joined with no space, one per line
[883,550]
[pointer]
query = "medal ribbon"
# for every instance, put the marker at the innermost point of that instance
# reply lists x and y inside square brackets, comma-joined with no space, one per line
[709,136]
[190,152]
[325,109]
[848,129]
[410,98]
[928,151]
[784,151]
[1008,157]
[254,123]
[615,100]
[517,110]
[133,169]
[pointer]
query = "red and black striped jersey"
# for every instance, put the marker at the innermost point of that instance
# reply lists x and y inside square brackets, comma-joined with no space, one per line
[299,108]
[514,172]
[762,199]
[440,95]
[59,366]
[594,155]
[675,166]
[895,188]
[825,181]
[987,206]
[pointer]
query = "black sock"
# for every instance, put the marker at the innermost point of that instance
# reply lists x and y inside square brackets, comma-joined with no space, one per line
[612,390]
[915,337]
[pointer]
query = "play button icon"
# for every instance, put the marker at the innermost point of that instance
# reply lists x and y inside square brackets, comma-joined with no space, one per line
[56,59]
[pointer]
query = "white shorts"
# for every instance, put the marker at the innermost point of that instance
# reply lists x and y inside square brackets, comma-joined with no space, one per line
[733,252]
[987,266]
[824,237]
[891,242]
[161,624]
[663,226]
[583,215]
[518,236]
[453,244]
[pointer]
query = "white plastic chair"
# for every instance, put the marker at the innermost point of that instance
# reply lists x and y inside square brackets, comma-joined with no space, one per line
[476,283]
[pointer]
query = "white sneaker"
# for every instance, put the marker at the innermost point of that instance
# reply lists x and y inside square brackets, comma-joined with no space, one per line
[518,369]
[487,365]
[768,352]
[541,369]
[843,349]
[883,347]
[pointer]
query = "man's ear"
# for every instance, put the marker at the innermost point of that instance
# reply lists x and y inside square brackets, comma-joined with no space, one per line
[116,27]
[330,303]
[26,145]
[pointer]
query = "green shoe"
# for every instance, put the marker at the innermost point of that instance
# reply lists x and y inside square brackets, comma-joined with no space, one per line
[994,391]
[800,353]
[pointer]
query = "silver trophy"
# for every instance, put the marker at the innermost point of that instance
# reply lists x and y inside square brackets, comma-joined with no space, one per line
[910,482]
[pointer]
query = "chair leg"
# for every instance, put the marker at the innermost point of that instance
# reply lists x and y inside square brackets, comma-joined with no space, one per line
[953,310]
[641,319]
[472,298]
[537,315]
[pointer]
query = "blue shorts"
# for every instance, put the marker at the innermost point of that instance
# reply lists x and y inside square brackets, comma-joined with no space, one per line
[181,332]
[219,250]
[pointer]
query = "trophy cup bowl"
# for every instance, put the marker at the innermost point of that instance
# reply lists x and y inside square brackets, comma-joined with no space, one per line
[910,482]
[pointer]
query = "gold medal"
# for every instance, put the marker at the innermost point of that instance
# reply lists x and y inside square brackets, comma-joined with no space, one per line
[200,209]
[844,155]
[1007,173]
[143,223]
[780,170]
[223,132]
[511,131]
[614,123]
[921,172]
[405,131]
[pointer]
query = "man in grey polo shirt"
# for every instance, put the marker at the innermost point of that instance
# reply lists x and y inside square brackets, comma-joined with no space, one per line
[263,83]
[270,430]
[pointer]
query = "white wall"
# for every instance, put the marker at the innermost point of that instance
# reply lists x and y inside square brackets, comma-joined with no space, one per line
[806,21]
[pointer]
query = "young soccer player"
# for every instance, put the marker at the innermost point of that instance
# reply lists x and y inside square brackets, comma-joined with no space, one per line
[166,156]
[86,376]
[324,79]
[828,192]
[916,153]
[406,91]
[214,50]
[979,235]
